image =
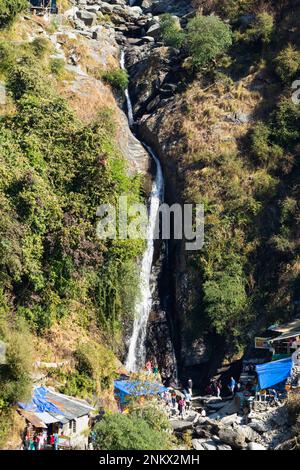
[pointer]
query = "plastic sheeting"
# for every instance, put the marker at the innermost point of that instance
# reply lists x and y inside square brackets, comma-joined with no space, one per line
[125,388]
[273,373]
[39,402]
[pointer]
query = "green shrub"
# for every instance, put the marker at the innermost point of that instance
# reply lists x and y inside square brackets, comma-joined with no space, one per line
[117,431]
[57,66]
[285,123]
[262,29]
[225,298]
[9,9]
[95,370]
[171,32]
[117,78]
[265,152]
[287,63]
[41,46]
[207,38]
[150,413]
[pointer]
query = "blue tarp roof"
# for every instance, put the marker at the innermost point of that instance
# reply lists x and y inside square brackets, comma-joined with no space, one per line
[137,388]
[272,373]
[40,403]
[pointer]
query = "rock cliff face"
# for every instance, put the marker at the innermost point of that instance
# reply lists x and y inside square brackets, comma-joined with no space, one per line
[155,74]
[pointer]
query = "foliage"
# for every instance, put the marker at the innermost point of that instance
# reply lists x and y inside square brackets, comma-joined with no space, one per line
[117,78]
[288,63]
[10,9]
[225,297]
[151,413]
[118,431]
[261,29]
[15,378]
[170,30]
[49,248]
[95,369]
[207,38]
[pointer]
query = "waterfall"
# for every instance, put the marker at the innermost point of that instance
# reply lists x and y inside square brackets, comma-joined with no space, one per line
[128,100]
[137,351]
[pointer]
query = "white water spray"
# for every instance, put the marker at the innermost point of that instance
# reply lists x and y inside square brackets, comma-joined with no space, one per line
[128,100]
[137,351]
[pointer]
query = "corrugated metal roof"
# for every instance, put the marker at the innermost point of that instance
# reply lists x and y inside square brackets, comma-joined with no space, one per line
[46,417]
[32,418]
[70,407]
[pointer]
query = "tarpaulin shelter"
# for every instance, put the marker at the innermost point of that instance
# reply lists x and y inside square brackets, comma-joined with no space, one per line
[273,373]
[124,389]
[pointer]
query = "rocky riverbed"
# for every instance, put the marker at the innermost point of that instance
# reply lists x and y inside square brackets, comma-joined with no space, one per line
[224,428]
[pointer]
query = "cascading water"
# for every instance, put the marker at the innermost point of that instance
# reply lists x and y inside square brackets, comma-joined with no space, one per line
[128,100]
[137,351]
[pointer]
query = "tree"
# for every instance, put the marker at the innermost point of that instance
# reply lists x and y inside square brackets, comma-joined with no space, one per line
[117,431]
[207,38]
[225,298]
[171,32]
[9,9]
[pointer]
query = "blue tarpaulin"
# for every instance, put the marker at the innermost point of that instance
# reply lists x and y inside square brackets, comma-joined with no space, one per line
[39,402]
[137,388]
[272,373]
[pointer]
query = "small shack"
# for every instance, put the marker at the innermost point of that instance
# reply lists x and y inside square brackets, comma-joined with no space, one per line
[49,412]
[125,390]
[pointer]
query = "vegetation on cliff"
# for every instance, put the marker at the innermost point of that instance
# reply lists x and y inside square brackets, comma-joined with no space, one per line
[55,170]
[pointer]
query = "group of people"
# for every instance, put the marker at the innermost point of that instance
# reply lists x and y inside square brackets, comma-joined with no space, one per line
[39,441]
[178,403]
[151,369]
[215,387]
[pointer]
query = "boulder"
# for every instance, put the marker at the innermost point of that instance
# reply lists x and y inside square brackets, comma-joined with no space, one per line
[232,437]
[255,446]
[89,19]
[210,445]
[224,447]
[197,444]
[154,31]
[258,426]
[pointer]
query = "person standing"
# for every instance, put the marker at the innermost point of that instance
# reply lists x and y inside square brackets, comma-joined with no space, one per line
[181,407]
[232,385]
[190,386]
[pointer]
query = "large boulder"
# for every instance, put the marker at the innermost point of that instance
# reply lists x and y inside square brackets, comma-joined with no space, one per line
[89,19]
[234,438]
[255,446]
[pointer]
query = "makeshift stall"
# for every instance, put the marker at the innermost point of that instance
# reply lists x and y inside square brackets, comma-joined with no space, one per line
[273,373]
[125,390]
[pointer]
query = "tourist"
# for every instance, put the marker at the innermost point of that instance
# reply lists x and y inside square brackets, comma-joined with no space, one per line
[188,400]
[232,385]
[181,407]
[218,389]
[149,367]
[173,399]
[190,386]
[36,441]
[56,440]
[52,440]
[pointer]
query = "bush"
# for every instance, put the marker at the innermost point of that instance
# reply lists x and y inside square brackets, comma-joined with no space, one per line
[207,38]
[225,298]
[287,63]
[171,32]
[285,123]
[117,78]
[261,30]
[117,431]
[95,370]
[150,413]
[264,151]
[9,9]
